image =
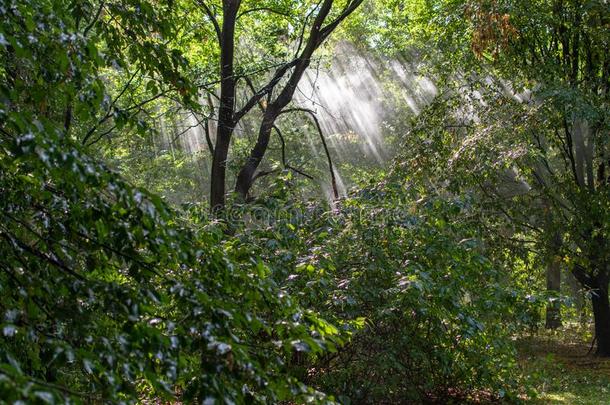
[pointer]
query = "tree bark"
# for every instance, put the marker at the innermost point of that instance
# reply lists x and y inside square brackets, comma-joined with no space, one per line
[316,37]
[227,105]
[553,284]
[596,280]
[553,269]
[601,313]
[245,178]
[599,276]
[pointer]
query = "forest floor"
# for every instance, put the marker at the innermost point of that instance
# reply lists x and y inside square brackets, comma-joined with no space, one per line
[559,370]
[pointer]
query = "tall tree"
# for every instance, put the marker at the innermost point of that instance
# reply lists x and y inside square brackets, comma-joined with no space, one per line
[284,81]
[553,56]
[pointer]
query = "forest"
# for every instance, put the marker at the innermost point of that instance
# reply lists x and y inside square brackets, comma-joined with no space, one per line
[304,201]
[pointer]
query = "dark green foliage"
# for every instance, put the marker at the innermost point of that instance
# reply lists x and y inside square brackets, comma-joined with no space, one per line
[408,290]
[108,295]
[407,282]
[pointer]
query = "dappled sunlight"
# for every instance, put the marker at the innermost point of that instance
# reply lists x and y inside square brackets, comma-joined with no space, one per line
[563,398]
[353,96]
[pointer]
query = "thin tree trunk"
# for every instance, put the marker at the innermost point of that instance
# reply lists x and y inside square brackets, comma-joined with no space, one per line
[553,271]
[553,284]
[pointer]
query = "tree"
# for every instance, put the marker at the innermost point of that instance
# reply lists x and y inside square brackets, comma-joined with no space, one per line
[541,69]
[283,82]
[562,47]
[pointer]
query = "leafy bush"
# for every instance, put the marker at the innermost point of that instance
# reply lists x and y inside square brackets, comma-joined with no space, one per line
[107,295]
[407,282]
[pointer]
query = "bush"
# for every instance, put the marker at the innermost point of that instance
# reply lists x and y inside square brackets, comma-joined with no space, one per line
[107,295]
[407,282]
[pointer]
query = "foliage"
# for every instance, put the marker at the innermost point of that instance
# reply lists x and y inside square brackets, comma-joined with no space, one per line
[406,282]
[108,295]
[410,289]
[532,137]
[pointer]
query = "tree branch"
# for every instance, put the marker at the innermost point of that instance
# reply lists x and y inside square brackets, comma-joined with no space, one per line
[280,136]
[349,9]
[257,9]
[331,168]
[263,91]
[109,111]
[95,18]
[213,19]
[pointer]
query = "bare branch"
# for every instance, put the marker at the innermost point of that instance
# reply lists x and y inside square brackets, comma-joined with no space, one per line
[109,111]
[263,173]
[269,9]
[208,138]
[331,168]
[213,19]
[302,35]
[286,165]
[189,127]
[206,127]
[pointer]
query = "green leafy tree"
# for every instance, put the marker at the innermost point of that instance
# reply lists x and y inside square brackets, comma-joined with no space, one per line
[534,77]
[317,22]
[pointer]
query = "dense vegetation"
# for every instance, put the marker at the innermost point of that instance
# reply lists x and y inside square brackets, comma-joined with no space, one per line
[289,201]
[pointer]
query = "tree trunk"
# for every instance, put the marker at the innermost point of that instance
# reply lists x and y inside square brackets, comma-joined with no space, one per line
[599,280]
[553,270]
[601,313]
[227,104]
[317,35]
[596,281]
[219,169]
[578,297]
[245,177]
[553,284]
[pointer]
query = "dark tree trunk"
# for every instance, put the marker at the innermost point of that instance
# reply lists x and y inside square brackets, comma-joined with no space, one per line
[218,175]
[599,277]
[227,104]
[316,37]
[601,314]
[246,177]
[553,284]
[596,281]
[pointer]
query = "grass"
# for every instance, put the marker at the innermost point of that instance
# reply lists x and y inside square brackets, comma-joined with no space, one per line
[558,370]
